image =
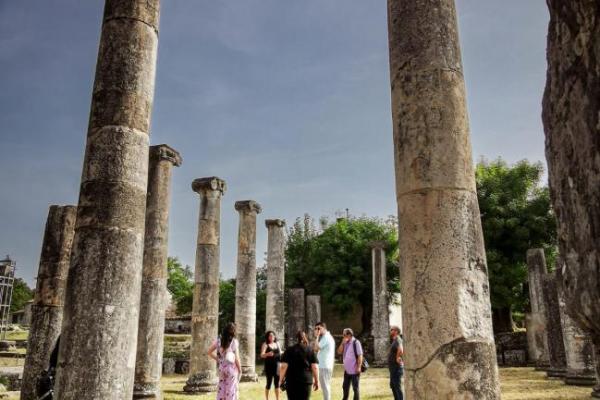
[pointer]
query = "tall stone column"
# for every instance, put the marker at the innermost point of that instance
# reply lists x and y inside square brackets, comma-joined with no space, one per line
[313,314]
[275,313]
[556,346]
[99,334]
[536,271]
[245,288]
[445,289]
[380,318]
[596,390]
[48,302]
[205,307]
[296,314]
[148,363]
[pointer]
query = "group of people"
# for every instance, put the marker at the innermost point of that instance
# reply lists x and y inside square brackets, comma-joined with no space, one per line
[305,366]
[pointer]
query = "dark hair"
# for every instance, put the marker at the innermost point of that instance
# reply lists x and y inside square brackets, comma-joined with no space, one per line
[322,324]
[301,338]
[267,336]
[227,335]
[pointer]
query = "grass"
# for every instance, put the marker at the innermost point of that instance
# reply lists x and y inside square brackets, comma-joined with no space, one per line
[17,335]
[517,384]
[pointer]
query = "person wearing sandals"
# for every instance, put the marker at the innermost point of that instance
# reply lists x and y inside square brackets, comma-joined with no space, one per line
[225,352]
[271,353]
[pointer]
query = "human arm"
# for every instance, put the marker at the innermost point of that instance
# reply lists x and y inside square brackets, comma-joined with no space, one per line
[238,362]
[212,351]
[399,353]
[359,361]
[340,349]
[263,351]
[282,371]
[315,374]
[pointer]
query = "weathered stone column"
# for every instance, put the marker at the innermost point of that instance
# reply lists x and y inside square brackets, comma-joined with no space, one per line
[445,289]
[245,288]
[556,346]
[99,334]
[47,309]
[205,307]
[296,314]
[596,390]
[275,313]
[380,319]
[536,271]
[313,314]
[148,363]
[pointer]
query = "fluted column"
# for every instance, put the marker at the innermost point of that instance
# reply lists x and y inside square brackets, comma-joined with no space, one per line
[148,363]
[296,314]
[275,308]
[380,318]
[99,334]
[205,308]
[445,288]
[48,302]
[536,273]
[245,288]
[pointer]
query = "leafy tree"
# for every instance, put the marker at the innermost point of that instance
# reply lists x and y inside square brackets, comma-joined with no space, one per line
[336,262]
[226,302]
[180,284]
[22,293]
[516,215]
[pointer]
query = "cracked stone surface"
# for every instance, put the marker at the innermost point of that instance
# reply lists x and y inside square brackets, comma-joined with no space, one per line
[313,314]
[296,314]
[536,272]
[148,365]
[556,346]
[445,289]
[48,303]
[275,313]
[245,288]
[205,307]
[100,323]
[380,318]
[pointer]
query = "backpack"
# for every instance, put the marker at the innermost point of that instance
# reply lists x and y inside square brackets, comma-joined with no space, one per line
[365,364]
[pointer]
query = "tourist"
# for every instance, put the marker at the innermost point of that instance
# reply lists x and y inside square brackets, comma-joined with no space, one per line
[324,346]
[299,369]
[228,359]
[352,354]
[271,353]
[395,362]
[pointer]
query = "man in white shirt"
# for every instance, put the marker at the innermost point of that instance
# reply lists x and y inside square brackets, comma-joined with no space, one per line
[324,346]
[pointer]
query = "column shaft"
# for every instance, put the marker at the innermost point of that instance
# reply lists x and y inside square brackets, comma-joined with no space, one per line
[313,314]
[296,315]
[536,272]
[99,334]
[380,318]
[275,308]
[556,346]
[48,303]
[443,268]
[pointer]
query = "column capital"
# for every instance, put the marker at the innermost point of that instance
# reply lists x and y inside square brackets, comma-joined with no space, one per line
[378,244]
[275,222]
[165,152]
[209,184]
[248,205]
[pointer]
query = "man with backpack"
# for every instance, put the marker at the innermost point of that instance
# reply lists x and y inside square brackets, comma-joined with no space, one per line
[352,354]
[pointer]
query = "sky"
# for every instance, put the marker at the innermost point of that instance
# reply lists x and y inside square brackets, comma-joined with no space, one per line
[288,101]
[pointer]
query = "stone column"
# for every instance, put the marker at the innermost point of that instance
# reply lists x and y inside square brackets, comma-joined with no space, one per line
[445,289]
[245,288]
[536,271]
[556,346]
[296,315]
[596,390]
[380,318]
[275,313]
[205,307]
[313,314]
[99,334]
[148,364]
[48,302]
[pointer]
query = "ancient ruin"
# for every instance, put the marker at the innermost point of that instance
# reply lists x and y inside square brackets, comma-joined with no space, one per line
[556,348]
[445,289]
[275,313]
[380,318]
[48,303]
[99,333]
[205,308]
[245,288]
[313,314]
[148,363]
[536,271]
[296,315]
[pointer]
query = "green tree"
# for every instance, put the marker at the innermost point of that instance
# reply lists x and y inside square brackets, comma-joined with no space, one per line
[226,302]
[516,215]
[22,293]
[336,262]
[180,284]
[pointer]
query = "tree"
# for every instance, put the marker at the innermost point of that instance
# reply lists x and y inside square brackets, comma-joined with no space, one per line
[22,293]
[516,215]
[180,285]
[226,302]
[336,262]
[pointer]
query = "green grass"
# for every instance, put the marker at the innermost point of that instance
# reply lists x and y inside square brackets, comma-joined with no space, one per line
[17,335]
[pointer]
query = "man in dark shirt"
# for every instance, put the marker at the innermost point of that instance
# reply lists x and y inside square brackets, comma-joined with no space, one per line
[299,368]
[395,362]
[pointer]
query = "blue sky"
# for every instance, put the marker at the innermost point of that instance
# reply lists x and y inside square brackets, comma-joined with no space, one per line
[288,101]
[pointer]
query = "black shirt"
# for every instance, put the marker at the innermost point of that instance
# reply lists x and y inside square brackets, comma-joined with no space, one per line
[299,359]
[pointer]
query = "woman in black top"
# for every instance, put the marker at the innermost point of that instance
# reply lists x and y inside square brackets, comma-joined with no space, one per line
[271,353]
[299,369]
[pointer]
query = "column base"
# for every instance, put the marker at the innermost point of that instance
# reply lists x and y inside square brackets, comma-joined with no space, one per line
[202,382]
[580,379]
[556,373]
[147,391]
[248,375]
[542,367]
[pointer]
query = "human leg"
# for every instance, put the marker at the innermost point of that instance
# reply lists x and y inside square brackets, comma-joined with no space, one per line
[346,386]
[325,382]
[355,386]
